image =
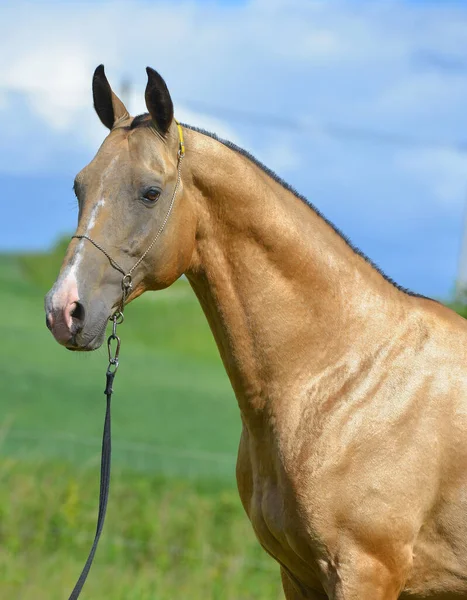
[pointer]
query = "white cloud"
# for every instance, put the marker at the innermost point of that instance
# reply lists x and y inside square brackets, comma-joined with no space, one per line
[259,53]
[55,81]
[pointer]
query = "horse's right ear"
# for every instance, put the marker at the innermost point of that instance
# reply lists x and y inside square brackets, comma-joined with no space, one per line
[108,106]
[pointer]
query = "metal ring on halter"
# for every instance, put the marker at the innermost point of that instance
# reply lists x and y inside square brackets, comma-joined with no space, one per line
[117,318]
[127,282]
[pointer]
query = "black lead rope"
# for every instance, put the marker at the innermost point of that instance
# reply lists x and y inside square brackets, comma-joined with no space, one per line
[105,457]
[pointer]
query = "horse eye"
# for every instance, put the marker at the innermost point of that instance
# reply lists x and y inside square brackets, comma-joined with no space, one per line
[152,195]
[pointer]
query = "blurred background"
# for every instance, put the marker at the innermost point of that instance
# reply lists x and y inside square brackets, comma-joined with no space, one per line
[361,106]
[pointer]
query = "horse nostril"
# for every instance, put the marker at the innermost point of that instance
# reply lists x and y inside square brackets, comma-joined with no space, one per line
[77,313]
[48,322]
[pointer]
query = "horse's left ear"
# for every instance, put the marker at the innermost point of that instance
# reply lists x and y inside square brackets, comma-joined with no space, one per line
[158,101]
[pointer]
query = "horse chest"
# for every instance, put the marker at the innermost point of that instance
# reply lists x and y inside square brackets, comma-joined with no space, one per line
[281,528]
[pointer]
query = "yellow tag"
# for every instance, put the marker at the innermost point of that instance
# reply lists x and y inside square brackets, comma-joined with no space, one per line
[182,142]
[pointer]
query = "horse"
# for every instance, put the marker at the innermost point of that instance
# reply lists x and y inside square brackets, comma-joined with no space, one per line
[352,463]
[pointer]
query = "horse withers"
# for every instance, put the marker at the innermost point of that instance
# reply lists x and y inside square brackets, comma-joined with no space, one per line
[352,465]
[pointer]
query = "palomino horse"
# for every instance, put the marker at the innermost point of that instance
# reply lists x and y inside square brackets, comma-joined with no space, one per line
[352,464]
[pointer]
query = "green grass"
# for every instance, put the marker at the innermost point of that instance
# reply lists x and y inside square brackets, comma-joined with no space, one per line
[164,538]
[173,410]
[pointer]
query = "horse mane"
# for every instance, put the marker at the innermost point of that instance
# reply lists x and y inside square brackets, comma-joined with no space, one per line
[144,120]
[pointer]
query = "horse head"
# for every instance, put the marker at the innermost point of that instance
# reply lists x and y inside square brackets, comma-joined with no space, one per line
[130,196]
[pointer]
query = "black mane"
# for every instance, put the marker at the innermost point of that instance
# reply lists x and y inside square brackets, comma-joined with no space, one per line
[145,120]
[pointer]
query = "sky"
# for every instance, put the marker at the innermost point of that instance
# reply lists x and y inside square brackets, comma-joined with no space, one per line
[360,105]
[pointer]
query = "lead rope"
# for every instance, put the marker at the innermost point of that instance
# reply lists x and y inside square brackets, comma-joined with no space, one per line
[114,353]
[105,457]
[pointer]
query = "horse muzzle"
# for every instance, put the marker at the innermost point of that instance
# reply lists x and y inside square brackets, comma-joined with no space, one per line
[71,322]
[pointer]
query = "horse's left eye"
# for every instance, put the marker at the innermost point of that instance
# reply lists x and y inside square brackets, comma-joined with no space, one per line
[152,195]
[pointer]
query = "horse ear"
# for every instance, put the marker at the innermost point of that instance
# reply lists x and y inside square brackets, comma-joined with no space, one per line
[158,101]
[108,106]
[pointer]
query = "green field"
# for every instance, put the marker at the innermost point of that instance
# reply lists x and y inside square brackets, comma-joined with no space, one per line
[175,525]
[173,408]
[164,538]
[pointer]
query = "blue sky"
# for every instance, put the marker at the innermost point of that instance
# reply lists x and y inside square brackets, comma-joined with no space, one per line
[334,69]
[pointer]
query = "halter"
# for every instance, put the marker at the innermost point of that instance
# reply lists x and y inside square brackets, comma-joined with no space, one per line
[127,281]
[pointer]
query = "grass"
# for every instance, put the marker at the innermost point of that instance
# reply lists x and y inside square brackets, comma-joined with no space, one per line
[164,538]
[175,526]
[173,409]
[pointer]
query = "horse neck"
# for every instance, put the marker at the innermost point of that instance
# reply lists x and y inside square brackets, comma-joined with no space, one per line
[284,294]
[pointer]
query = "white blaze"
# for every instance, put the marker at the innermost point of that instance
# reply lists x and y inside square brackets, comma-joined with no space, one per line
[66,286]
